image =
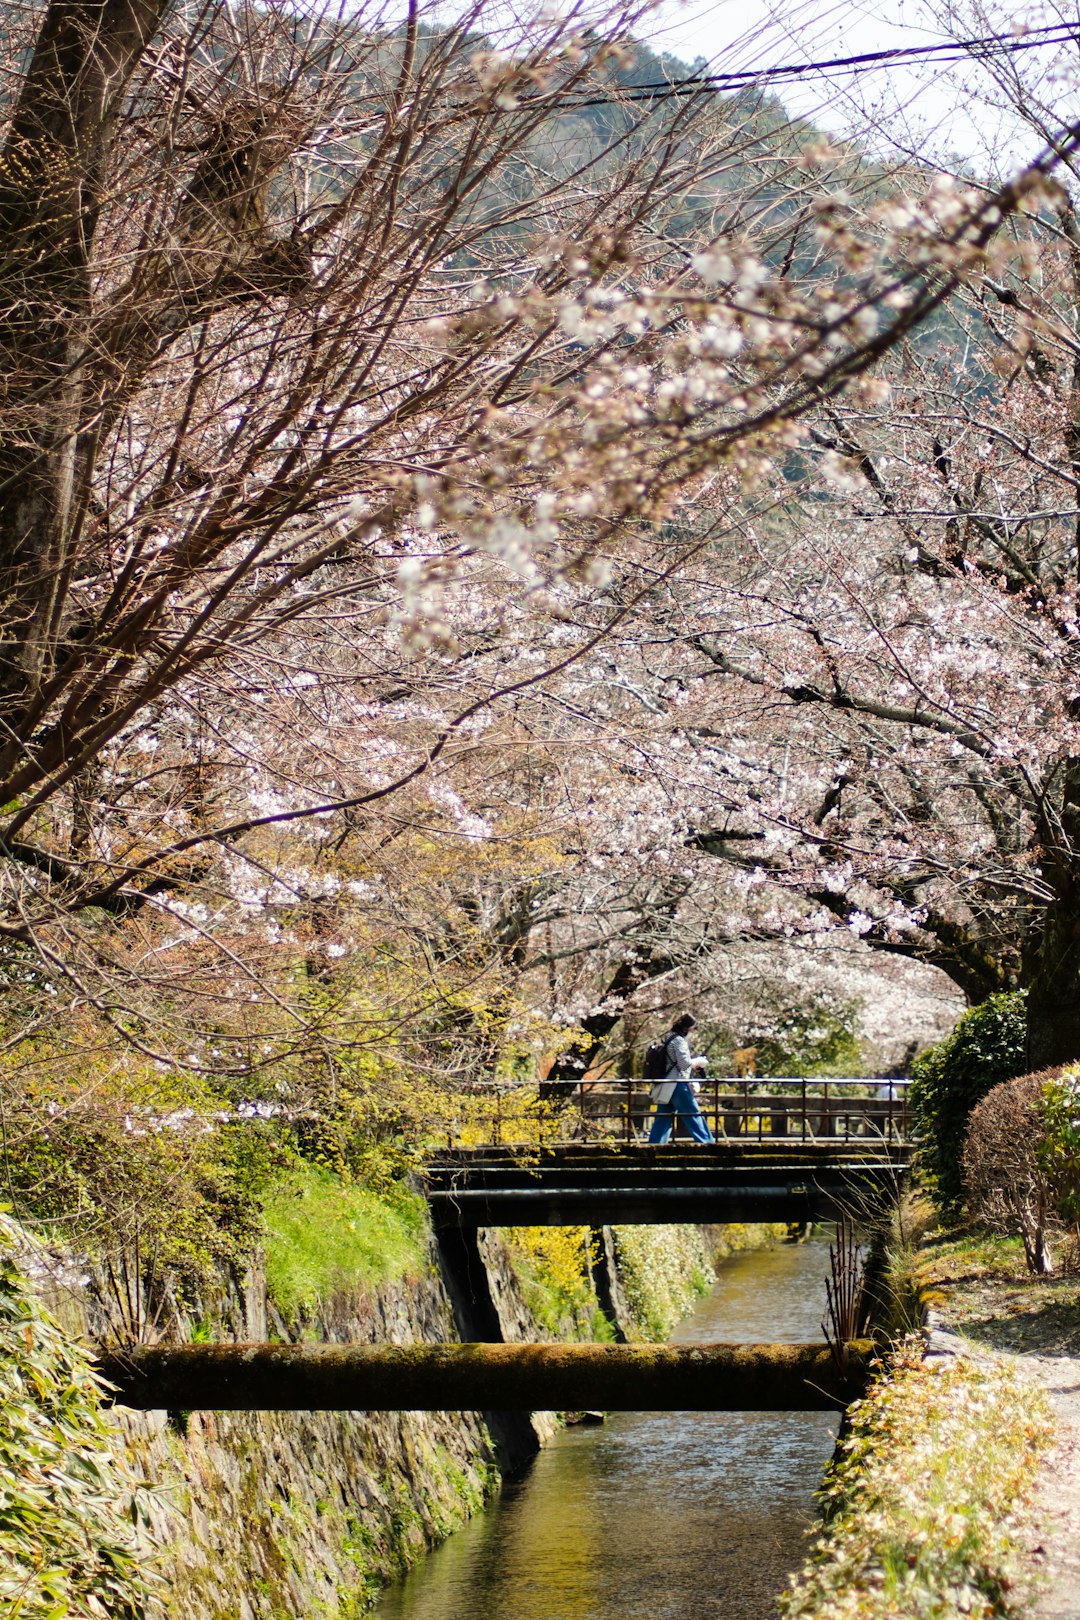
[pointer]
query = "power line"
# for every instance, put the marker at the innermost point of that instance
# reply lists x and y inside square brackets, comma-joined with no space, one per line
[945,54]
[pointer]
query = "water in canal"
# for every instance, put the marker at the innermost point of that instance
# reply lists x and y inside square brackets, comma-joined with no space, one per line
[655,1516]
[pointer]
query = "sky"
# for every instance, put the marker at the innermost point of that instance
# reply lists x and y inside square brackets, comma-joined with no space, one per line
[924,109]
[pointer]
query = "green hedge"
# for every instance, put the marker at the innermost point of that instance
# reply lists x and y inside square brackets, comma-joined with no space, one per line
[987,1046]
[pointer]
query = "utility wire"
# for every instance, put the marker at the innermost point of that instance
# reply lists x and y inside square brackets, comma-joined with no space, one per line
[944,54]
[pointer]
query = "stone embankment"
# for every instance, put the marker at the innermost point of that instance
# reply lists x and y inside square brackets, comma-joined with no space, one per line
[297,1513]
[268,1514]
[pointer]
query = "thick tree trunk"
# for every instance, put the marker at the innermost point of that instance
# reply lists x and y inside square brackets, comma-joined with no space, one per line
[473,1377]
[53,168]
[1052,975]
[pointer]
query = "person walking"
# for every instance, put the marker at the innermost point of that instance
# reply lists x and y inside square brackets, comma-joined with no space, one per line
[675,1096]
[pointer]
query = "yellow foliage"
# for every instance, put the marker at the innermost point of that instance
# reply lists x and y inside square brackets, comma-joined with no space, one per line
[560,1255]
[552,1265]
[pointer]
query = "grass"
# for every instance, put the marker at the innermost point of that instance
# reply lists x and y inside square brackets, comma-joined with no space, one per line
[325,1235]
[981,1288]
[923,1502]
[975,1250]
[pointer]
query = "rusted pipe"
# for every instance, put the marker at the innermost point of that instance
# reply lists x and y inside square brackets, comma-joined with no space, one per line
[480,1377]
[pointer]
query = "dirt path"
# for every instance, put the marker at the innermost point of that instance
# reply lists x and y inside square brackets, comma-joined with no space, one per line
[998,1312]
[1054,1546]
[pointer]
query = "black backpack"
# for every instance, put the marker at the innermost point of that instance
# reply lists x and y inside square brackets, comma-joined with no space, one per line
[656,1059]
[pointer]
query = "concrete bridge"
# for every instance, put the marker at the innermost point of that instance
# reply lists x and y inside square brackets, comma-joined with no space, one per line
[580,1184]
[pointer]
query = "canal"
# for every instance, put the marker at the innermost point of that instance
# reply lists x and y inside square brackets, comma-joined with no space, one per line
[654,1516]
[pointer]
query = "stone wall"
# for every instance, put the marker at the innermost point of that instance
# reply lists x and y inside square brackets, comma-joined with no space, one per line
[280,1514]
[272,1514]
[305,1514]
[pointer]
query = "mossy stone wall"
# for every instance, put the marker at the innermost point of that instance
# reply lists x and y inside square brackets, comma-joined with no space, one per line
[281,1514]
[277,1514]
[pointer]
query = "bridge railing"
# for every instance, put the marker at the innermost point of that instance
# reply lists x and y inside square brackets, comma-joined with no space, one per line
[808,1110]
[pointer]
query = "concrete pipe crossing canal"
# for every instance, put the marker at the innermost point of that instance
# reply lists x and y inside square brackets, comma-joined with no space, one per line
[468,1377]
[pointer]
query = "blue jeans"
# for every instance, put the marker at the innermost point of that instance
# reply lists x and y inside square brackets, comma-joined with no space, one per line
[685,1105]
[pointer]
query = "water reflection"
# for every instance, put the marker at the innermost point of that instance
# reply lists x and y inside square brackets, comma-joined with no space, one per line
[656,1516]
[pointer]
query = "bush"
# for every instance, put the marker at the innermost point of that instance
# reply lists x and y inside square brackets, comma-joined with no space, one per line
[554,1267]
[1059,1150]
[1007,1180]
[1021,1160]
[159,1209]
[663,1270]
[986,1047]
[922,1498]
[74,1527]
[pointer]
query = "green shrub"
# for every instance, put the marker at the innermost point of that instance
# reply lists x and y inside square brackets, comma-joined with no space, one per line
[986,1047]
[921,1505]
[326,1235]
[74,1527]
[184,1201]
[663,1271]
[1059,1145]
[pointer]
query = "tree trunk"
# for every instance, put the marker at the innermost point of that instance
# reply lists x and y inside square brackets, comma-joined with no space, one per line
[1040,1261]
[1052,975]
[566,1072]
[53,168]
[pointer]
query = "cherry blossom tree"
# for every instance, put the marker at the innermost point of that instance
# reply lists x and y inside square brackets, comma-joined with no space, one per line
[362,396]
[903,639]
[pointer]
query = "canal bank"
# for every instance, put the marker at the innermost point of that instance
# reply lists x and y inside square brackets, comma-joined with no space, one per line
[948,1499]
[275,1514]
